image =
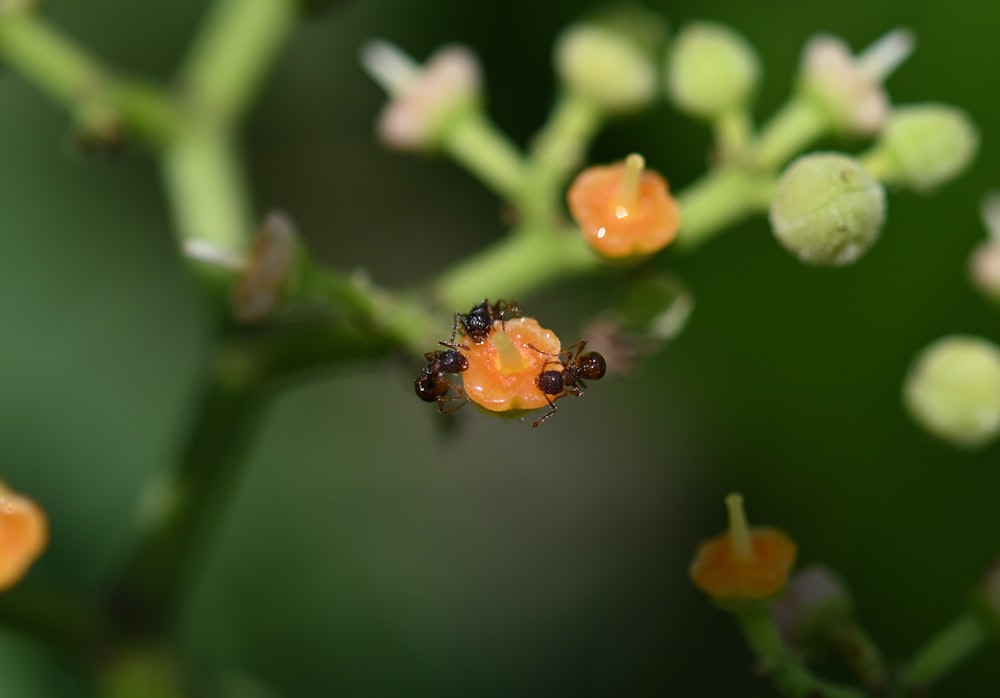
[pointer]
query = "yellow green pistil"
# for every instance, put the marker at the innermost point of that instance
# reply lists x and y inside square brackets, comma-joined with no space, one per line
[739,530]
[509,359]
[628,188]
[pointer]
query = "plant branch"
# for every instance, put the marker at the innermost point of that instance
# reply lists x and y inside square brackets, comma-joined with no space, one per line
[237,44]
[952,645]
[788,675]
[64,71]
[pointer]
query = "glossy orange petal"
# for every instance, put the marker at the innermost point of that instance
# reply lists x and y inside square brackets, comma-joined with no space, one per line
[503,369]
[618,225]
[726,576]
[23,535]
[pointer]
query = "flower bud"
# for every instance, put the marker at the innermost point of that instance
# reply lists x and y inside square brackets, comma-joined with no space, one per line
[984,269]
[711,70]
[848,89]
[425,100]
[827,210]
[953,390]
[612,61]
[924,145]
[815,601]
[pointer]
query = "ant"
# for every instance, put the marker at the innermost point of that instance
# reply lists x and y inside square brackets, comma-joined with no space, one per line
[576,366]
[478,322]
[432,385]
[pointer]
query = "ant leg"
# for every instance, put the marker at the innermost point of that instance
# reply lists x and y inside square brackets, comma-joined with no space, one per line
[453,345]
[454,329]
[569,353]
[535,424]
[451,398]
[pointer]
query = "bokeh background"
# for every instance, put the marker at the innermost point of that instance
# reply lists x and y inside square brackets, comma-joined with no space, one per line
[367,551]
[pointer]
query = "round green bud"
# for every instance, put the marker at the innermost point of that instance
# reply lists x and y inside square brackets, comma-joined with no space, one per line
[827,210]
[953,390]
[711,70]
[925,145]
[608,63]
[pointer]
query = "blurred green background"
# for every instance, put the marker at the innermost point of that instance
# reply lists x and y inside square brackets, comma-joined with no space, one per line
[364,550]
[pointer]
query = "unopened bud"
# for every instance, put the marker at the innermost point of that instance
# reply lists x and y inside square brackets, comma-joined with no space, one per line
[953,390]
[612,61]
[712,70]
[827,210]
[924,145]
[814,601]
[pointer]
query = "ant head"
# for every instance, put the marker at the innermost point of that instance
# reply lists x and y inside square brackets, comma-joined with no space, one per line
[550,382]
[591,365]
[452,361]
[430,386]
[479,322]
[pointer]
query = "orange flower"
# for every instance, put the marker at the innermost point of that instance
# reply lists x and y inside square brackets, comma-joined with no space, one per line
[743,564]
[623,209]
[503,370]
[23,534]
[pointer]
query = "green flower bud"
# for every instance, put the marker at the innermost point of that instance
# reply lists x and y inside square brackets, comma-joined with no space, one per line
[953,390]
[827,210]
[711,70]
[924,145]
[612,61]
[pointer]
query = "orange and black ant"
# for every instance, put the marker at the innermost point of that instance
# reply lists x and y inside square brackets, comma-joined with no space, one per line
[478,322]
[432,385]
[577,365]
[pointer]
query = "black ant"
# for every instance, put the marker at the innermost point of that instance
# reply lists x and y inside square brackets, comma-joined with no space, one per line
[478,322]
[576,366]
[432,385]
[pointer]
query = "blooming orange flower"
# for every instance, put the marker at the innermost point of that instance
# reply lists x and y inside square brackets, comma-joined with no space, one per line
[23,535]
[503,370]
[623,209]
[743,564]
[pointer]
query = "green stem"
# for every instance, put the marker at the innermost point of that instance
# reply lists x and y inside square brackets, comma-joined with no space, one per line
[398,318]
[861,655]
[788,675]
[796,125]
[947,649]
[71,77]
[557,150]
[732,133]
[719,199]
[479,146]
[173,508]
[207,189]
[516,266]
[237,44]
